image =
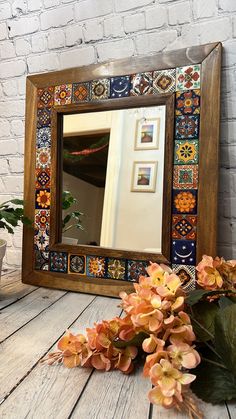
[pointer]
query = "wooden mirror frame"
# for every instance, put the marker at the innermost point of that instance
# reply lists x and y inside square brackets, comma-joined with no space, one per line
[47,263]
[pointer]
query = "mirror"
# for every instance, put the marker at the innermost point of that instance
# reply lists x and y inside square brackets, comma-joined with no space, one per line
[152,179]
[113,165]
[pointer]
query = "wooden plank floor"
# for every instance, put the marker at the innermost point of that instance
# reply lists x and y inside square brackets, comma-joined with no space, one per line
[32,320]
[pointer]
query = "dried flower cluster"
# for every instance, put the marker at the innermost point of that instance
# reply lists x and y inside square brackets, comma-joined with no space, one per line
[216,273]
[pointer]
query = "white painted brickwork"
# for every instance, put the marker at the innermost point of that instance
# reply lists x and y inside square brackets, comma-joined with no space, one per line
[45,35]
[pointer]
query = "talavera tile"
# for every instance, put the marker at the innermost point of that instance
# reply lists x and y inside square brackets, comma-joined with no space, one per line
[184,252]
[100,89]
[186,152]
[185,176]
[187,275]
[188,77]
[44,117]
[43,158]
[43,138]
[42,219]
[184,227]
[120,86]
[41,260]
[41,240]
[187,126]
[58,261]
[141,84]
[116,268]
[136,268]
[80,92]
[185,202]
[95,266]
[42,178]
[77,264]
[45,97]
[42,198]
[187,103]
[62,95]
[164,81]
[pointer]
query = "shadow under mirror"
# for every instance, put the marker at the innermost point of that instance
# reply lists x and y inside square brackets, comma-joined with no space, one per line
[113,176]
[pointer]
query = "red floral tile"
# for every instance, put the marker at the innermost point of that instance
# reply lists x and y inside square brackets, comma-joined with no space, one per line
[63,94]
[188,77]
[185,176]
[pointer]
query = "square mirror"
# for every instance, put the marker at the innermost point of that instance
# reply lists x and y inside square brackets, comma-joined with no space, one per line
[121,166]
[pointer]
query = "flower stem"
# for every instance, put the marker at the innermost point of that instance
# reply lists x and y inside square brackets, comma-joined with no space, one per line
[214,363]
[202,327]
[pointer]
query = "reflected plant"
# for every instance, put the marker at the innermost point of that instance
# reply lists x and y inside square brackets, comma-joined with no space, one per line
[73,217]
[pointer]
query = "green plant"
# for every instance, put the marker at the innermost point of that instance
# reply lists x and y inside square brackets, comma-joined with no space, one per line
[74,216]
[11,212]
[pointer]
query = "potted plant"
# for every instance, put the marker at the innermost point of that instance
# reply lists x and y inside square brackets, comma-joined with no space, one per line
[11,212]
[71,219]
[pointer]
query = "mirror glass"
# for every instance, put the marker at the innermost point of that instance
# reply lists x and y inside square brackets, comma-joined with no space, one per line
[113,166]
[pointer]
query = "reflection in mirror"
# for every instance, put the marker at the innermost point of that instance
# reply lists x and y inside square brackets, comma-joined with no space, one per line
[113,166]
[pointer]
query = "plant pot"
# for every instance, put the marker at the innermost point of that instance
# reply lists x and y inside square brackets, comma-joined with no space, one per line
[3,245]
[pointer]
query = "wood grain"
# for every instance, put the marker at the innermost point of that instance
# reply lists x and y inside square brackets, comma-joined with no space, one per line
[22,351]
[209,411]
[17,315]
[52,392]
[209,154]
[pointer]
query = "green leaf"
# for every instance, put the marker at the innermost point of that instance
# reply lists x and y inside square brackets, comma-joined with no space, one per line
[225,336]
[10,218]
[137,340]
[213,383]
[17,202]
[225,302]
[195,296]
[204,313]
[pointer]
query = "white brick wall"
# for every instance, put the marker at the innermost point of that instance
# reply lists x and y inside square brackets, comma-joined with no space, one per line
[46,35]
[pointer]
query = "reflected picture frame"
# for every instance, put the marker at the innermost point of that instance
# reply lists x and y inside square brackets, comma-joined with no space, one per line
[147,134]
[144,176]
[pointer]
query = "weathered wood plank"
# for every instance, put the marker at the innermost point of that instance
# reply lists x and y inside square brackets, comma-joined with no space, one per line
[17,315]
[23,349]
[13,292]
[10,275]
[51,392]
[209,411]
[119,396]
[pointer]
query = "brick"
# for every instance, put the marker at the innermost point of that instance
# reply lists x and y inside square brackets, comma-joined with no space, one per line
[46,62]
[214,30]
[56,39]
[228,252]
[227,5]
[228,132]
[189,36]
[113,27]
[229,56]
[92,8]
[229,207]
[228,107]
[7,50]
[17,127]
[74,35]
[4,128]
[20,146]
[23,47]
[23,26]
[156,17]
[10,88]
[115,49]
[10,69]
[228,156]
[39,43]
[12,108]
[123,5]
[226,181]
[8,147]
[134,23]
[179,13]
[56,17]
[226,231]
[78,57]
[3,31]
[228,80]
[4,168]
[19,7]
[34,5]
[93,31]
[154,42]
[21,85]
[16,164]
[5,11]
[13,183]
[2,187]
[203,8]
[50,3]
